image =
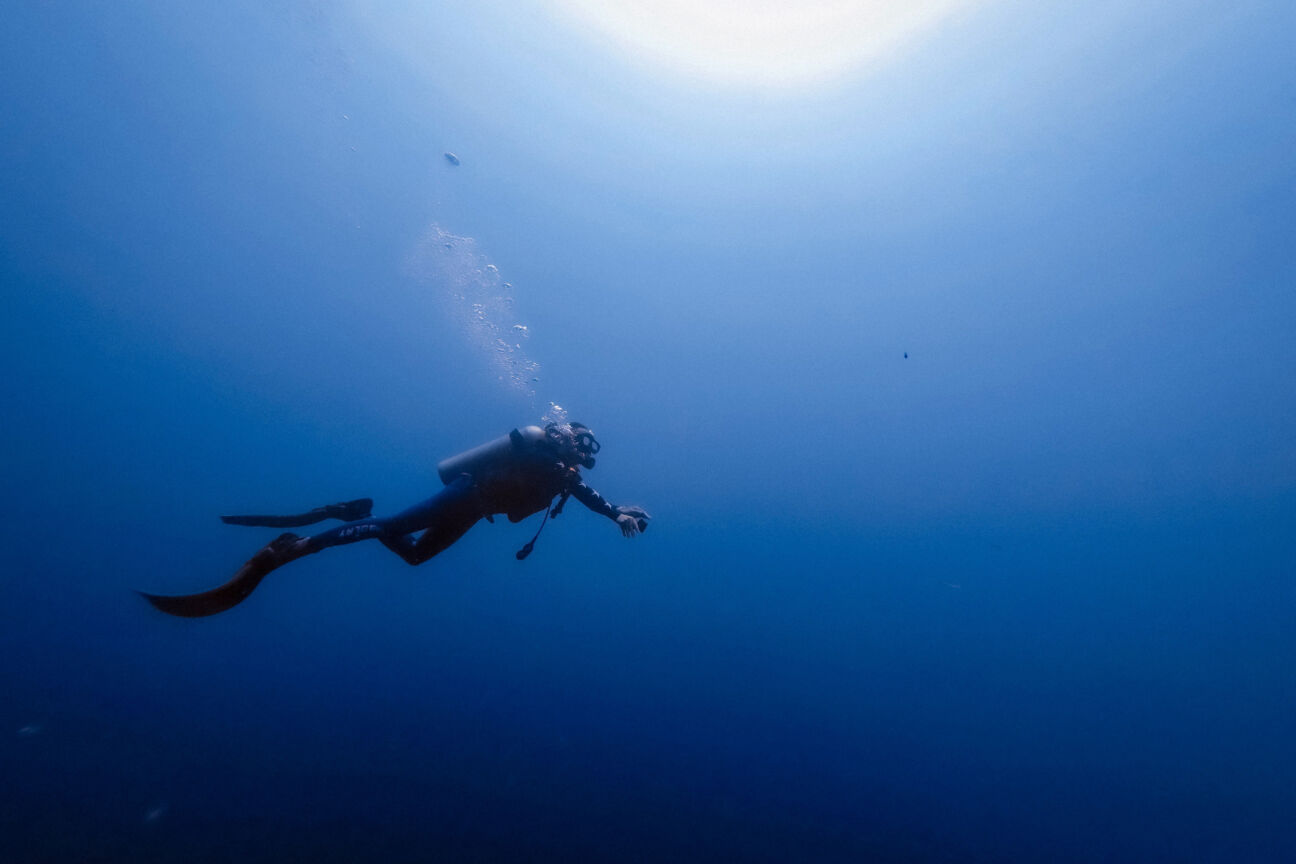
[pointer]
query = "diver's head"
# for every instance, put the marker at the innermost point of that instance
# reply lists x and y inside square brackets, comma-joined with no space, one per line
[574,442]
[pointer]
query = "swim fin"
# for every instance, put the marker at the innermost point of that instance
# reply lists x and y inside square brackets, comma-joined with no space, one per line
[277,553]
[347,511]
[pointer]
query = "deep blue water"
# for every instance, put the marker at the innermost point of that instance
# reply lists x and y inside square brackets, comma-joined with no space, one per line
[961,392]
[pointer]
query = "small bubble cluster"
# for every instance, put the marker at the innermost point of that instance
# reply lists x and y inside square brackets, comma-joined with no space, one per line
[480,302]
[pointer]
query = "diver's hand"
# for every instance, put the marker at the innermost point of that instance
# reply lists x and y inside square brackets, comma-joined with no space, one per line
[632,520]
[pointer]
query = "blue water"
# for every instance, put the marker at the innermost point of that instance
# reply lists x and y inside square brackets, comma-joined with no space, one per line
[961,391]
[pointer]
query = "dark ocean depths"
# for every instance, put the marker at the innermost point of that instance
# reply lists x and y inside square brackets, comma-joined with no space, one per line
[961,391]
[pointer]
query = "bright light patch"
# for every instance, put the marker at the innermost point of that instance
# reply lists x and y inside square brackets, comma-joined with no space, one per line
[761,42]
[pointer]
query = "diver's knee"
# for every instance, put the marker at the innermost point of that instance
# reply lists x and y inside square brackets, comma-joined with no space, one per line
[411,557]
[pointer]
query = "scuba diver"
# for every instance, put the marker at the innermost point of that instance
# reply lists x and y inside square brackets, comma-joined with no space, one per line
[517,475]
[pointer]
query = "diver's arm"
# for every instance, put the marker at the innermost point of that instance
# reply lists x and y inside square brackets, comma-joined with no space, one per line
[631,520]
[592,499]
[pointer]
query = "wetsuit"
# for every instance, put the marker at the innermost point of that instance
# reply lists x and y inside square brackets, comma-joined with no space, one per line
[517,491]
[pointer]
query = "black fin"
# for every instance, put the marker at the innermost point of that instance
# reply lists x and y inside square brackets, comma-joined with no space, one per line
[351,511]
[233,592]
[277,521]
[347,511]
[210,602]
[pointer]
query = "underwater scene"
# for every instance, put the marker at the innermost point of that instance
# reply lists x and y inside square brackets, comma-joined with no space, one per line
[645,431]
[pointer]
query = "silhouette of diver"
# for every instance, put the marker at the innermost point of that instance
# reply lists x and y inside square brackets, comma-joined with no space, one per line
[517,475]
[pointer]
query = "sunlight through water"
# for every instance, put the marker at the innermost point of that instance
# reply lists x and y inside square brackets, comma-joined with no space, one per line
[765,43]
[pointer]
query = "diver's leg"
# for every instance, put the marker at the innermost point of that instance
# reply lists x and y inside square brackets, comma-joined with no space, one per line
[351,532]
[280,551]
[444,518]
[435,540]
[347,511]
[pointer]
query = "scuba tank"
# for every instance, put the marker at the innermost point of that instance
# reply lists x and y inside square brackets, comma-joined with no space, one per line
[492,454]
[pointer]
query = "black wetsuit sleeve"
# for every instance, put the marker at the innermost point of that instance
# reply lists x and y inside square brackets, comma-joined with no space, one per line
[592,499]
